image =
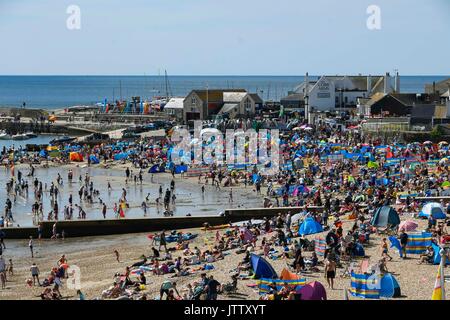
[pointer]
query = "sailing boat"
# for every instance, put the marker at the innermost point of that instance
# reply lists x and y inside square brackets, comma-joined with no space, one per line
[158,102]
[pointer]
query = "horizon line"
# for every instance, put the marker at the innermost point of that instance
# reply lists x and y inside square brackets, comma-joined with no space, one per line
[216,75]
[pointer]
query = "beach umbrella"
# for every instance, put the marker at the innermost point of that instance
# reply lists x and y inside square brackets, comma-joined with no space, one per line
[428,142]
[308,129]
[443,143]
[445,184]
[296,129]
[296,217]
[408,226]
[372,164]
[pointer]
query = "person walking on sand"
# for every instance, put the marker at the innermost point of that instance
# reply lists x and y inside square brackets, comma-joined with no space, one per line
[384,249]
[104,210]
[2,272]
[30,245]
[330,272]
[230,199]
[35,274]
[403,242]
[162,240]
[116,253]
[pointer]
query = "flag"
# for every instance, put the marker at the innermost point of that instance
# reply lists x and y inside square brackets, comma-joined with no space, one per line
[438,291]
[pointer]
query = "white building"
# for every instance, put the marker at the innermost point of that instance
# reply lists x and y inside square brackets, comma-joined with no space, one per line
[334,93]
[174,108]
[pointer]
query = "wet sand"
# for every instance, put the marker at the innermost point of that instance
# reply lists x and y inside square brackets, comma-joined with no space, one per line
[189,198]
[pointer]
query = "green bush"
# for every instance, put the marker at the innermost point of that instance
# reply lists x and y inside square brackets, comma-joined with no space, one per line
[437,132]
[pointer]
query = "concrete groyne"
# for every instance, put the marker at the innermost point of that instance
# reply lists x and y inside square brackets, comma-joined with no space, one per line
[84,228]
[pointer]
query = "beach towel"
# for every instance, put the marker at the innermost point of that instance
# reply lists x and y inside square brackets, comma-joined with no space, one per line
[264,285]
[365,286]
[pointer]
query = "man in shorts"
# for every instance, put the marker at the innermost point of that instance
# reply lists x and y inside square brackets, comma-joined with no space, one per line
[330,271]
[35,274]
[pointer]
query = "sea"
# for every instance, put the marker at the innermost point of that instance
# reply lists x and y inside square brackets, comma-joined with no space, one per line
[57,92]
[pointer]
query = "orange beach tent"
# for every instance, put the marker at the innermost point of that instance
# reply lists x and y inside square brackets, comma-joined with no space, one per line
[76,156]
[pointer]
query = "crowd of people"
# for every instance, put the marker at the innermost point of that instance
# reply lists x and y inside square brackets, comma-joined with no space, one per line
[346,174]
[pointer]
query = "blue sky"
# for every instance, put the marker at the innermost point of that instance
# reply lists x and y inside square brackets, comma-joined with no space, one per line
[212,37]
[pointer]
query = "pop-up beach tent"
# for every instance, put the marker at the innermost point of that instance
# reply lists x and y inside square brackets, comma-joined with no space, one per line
[94,159]
[287,275]
[434,209]
[262,268]
[384,216]
[313,291]
[389,287]
[437,255]
[358,250]
[76,156]
[156,169]
[309,226]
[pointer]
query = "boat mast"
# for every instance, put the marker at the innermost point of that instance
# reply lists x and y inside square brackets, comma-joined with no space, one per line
[120,86]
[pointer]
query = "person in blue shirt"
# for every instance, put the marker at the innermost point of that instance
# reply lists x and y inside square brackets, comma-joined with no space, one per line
[81,295]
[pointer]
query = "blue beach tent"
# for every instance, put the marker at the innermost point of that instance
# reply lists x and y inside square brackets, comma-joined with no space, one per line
[156,169]
[384,216]
[94,159]
[309,226]
[389,287]
[437,256]
[181,169]
[434,209]
[358,250]
[120,156]
[262,268]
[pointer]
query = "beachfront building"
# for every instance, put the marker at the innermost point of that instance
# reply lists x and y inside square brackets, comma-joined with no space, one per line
[174,108]
[338,93]
[397,104]
[226,103]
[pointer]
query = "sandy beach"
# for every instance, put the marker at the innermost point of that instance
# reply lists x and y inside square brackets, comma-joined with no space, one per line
[94,256]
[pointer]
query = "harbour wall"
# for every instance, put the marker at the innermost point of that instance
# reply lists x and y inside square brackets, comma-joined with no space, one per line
[84,228]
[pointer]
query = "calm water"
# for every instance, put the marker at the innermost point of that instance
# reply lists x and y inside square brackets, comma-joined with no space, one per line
[43,139]
[189,198]
[65,91]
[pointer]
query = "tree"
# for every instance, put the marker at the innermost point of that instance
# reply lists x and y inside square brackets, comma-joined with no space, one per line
[437,132]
